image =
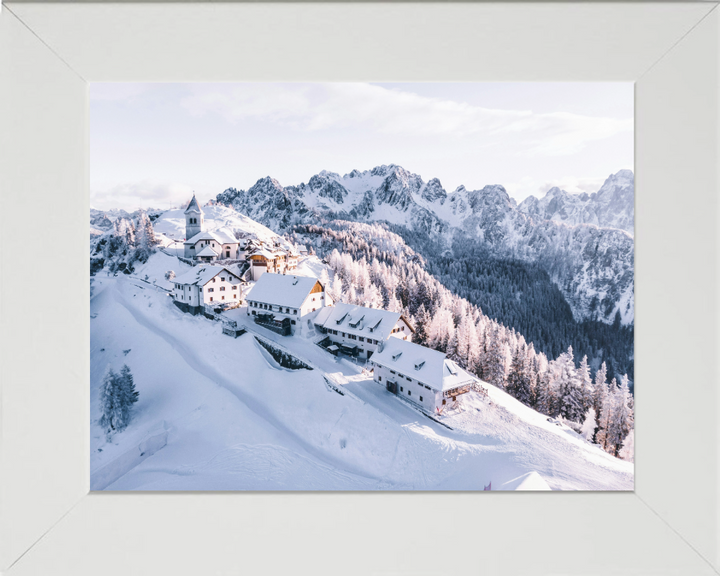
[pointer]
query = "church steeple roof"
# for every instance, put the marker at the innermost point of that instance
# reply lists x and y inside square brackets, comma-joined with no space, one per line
[193,206]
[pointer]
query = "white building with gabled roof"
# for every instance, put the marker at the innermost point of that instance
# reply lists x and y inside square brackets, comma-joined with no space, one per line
[211,245]
[285,296]
[206,284]
[420,375]
[360,331]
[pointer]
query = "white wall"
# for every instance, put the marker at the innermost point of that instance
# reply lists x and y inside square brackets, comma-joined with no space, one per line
[194,296]
[430,398]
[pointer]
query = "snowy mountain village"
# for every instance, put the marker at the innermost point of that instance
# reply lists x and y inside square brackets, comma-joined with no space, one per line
[252,374]
[286,303]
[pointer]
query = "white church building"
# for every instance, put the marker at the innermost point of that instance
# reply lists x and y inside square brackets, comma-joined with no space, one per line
[207,245]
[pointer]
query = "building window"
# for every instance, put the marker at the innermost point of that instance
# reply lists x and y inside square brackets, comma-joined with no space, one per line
[222,279]
[227,254]
[234,295]
[234,287]
[253,312]
[213,279]
[211,289]
[392,371]
[428,387]
[223,297]
[409,393]
[362,338]
[222,288]
[401,388]
[443,401]
[379,378]
[292,321]
[421,399]
[211,298]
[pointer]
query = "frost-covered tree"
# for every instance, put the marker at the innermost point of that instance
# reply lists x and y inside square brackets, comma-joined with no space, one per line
[117,395]
[518,382]
[600,389]
[607,413]
[589,425]
[622,420]
[569,391]
[627,452]
[325,279]
[494,360]
[170,275]
[586,385]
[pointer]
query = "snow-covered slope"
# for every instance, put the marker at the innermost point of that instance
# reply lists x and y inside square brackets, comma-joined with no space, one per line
[235,420]
[171,223]
[584,242]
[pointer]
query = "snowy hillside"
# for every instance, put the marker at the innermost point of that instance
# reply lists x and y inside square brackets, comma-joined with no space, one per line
[218,413]
[584,242]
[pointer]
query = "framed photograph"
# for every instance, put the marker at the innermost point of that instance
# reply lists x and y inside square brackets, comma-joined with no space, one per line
[324,357]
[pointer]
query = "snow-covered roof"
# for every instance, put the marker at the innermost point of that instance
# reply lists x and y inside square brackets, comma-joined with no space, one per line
[266,254]
[424,364]
[282,290]
[219,235]
[193,206]
[322,316]
[361,321]
[201,274]
[207,251]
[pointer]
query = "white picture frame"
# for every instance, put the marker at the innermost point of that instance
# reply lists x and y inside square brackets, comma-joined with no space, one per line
[51,524]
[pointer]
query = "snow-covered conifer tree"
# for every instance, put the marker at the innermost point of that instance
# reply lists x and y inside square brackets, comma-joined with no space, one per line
[117,395]
[569,391]
[586,385]
[607,413]
[589,425]
[627,452]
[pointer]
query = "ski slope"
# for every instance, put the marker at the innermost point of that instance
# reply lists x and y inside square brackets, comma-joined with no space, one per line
[235,420]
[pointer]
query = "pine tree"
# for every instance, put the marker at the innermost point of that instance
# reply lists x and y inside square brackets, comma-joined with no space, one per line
[627,452]
[518,380]
[586,385]
[569,391]
[494,360]
[622,419]
[600,389]
[117,395]
[422,322]
[589,425]
[545,401]
[607,414]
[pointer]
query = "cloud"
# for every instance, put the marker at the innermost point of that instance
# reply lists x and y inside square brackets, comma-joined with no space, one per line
[145,194]
[336,106]
[531,187]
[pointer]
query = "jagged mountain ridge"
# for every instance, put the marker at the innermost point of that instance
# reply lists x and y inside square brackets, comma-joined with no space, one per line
[578,239]
[610,207]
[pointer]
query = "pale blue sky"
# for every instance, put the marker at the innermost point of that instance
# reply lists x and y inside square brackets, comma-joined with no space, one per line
[151,145]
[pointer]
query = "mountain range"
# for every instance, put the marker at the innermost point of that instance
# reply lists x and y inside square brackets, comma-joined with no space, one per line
[584,241]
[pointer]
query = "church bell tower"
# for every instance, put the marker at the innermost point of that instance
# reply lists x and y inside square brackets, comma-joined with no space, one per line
[194,219]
